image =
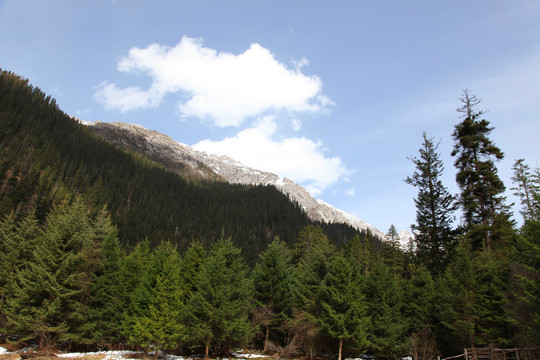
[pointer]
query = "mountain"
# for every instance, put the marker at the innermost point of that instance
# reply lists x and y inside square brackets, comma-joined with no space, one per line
[177,156]
[47,157]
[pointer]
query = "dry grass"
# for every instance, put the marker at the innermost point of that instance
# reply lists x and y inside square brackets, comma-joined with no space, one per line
[10,356]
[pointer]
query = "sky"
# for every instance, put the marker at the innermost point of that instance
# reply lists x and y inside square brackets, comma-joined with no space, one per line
[334,95]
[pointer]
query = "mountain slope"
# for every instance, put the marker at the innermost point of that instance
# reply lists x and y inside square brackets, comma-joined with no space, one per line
[46,157]
[175,155]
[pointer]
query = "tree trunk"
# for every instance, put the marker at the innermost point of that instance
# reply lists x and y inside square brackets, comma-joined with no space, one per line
[266,339]
[207,349]
[340,347]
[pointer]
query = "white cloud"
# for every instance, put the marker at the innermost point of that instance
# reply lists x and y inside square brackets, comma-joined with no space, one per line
[298,159]
[351,192]
[217,86]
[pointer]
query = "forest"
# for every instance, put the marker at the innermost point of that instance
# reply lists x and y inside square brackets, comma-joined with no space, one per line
[90,262]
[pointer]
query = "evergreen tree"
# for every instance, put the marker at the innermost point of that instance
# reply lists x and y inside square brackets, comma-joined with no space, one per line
[433,234]
[494,321]
[272,277]
[17,241]
[528,274]
[458,301]
[103,326]
[134,295]
[343,306]
[159,323]
[315,253]
[486,215]
[49,295]
[362,253]
[190,267]
[392,254]
[527,189]
[419,309]
[217,314]
[420,297]
[384,296]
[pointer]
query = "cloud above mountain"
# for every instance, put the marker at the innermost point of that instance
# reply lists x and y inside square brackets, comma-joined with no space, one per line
[297,158]
[219,87]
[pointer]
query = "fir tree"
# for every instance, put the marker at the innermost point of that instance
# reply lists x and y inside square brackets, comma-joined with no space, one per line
[494,323]
[217,314]
[458,301]
[433,234]
[314,253]
[134,295]
[17,241]
[272,279]
[486,215]
[420,297]
[190,267]
[159,323]
[106,293]
[527,188]
[49,294]
[386,333]
[392,255]
[362,253]
[528,275]
[343,306]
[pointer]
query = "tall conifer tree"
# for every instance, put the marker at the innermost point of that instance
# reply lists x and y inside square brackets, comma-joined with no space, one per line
[433,234]
[272,277]
[485,212]
[527,188]
[386,333]
[343,313]
[217,314]
[159,323]
[49,296]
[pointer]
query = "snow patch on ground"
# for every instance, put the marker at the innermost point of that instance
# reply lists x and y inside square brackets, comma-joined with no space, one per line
[240,355]
[3,350]
[109,355]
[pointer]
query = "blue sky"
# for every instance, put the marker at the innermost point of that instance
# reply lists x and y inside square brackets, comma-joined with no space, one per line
[334,95]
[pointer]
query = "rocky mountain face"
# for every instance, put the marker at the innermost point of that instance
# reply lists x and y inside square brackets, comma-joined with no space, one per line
[183,159]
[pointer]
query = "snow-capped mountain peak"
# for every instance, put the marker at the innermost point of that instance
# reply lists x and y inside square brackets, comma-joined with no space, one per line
[164,149]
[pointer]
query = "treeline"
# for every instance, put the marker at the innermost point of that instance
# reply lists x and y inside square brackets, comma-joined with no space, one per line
[46,155]
[69,284]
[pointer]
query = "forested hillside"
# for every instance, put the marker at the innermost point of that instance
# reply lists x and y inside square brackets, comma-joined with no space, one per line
[47,156]
[70,205]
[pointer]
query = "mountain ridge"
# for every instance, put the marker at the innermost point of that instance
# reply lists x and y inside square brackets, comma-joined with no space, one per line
[164,149]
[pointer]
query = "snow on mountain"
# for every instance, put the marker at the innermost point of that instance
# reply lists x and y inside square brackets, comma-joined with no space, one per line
[164,149]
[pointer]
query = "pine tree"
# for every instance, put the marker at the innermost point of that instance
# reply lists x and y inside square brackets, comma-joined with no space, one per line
[49,294]
[486,215]
[419,299]
[106,293]
[313,254]
[134,295]
[217,314]
[190,267]
[17,241]
[392,254]
[343,305]
[494,321]
[386,334]
[362,253]
[159,323]
[458,301]
[272,277]
[433,234]
[528,274]
[419,310]
[527,189]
